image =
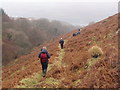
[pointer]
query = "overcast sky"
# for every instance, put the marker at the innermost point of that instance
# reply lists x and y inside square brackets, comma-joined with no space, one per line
[76,12]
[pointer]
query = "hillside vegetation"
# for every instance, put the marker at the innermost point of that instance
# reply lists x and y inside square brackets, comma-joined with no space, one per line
[20,35]
[88,60]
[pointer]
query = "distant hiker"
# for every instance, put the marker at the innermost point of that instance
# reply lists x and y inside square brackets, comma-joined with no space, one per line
[77,33]
[61,43]
[74,34]
[78,29]
[44,56]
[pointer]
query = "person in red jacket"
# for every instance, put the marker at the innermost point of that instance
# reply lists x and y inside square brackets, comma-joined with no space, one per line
[44,56]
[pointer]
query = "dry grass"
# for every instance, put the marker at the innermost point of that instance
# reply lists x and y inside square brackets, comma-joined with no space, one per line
[95,51]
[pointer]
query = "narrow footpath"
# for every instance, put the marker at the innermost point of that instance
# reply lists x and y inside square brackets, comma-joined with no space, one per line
[37,80]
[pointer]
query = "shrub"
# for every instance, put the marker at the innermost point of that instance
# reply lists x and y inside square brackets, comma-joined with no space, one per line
[95,51]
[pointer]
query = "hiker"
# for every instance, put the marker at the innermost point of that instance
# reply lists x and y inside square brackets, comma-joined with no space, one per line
[78,33]
[44,56]
[61,43]
[78,29]
[74,34]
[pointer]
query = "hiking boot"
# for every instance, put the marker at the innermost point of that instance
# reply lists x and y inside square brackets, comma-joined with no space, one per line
[45,71]
[43,75]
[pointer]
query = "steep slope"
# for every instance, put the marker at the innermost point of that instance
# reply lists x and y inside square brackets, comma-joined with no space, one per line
[72,66]
[26,33]
[101,72]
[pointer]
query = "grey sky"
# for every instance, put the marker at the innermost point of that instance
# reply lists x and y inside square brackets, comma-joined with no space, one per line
[77,13]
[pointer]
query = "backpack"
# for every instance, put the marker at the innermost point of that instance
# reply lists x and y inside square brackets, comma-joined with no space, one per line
[43,57]
[61,42]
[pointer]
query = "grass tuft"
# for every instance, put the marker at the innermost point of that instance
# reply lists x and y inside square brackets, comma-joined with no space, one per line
[95,52]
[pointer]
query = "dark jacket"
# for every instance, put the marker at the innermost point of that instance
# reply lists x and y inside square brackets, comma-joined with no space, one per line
[75,34]
[44,51]
[61,41]
[78,33]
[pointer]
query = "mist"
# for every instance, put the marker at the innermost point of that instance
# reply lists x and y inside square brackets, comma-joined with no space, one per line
[76,13]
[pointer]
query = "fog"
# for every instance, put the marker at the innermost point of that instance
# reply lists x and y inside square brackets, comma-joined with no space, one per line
[76,13]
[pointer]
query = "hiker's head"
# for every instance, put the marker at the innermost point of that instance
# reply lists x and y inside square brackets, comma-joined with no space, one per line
[44,48]
[61,38]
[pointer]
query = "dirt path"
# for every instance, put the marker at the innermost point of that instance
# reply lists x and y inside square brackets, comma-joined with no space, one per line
[37,79]
[61,56]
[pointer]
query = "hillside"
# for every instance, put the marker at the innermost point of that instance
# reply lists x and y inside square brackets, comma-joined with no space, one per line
[23,34]
[74,66]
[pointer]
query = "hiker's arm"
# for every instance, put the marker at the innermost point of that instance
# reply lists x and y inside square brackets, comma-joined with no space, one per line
[48,55]
[59,41]
[39,55]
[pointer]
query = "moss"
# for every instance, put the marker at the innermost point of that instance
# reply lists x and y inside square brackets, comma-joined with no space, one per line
[76,82]
[30,82]
[49,83]
[22,86]
[52,81]
[61,55]
[92,61]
